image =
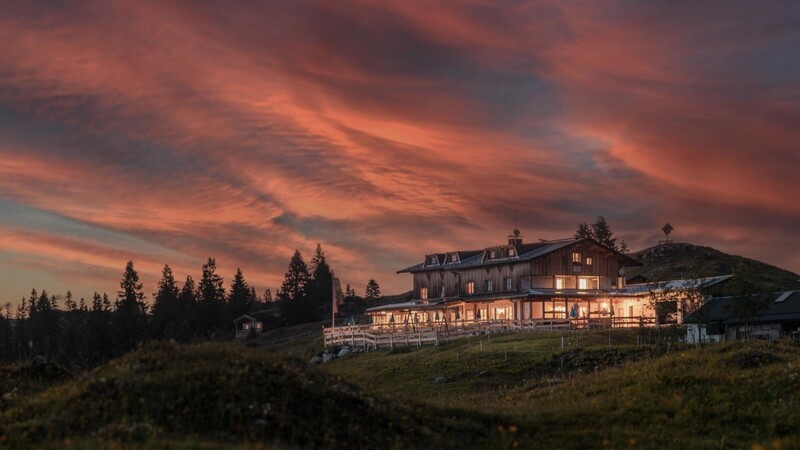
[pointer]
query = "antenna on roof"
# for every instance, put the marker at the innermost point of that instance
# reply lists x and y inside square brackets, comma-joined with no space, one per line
[515,238]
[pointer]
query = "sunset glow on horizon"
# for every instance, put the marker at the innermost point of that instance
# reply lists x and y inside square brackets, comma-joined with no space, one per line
[168,132]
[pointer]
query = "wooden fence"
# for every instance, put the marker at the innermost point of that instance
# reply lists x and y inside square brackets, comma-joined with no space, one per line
[382,336]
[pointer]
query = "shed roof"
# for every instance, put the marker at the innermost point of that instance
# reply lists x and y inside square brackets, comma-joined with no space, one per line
[782,306]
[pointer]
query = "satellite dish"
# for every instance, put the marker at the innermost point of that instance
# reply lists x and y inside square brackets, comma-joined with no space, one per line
[516,232]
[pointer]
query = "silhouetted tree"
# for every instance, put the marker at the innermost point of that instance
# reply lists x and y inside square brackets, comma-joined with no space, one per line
[295,305]
[130,314]
[211,300]
[320,285]
[268,296]
[583,231]
[601,232]
[241,296]
[295,280]
[166,309]
[373,291]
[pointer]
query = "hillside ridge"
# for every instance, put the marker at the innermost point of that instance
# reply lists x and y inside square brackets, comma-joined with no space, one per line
[684,260]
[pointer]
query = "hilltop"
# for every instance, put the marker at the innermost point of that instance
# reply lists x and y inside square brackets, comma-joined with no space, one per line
[680,260]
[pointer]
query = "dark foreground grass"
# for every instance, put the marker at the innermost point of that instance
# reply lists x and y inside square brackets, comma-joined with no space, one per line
[513,391]
[223,393]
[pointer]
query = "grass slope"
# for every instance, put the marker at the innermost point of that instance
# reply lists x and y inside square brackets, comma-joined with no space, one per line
[595,395]
[221,394]
[600,389]
[676,260]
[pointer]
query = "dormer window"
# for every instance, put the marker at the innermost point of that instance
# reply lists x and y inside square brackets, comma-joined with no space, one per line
[511,252]
[433,261]
[492,254]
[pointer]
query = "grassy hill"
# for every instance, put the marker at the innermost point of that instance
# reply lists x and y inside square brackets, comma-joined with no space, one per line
[678,260]
[542,390]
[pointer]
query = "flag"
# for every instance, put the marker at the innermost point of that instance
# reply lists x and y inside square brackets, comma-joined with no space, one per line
[337,296]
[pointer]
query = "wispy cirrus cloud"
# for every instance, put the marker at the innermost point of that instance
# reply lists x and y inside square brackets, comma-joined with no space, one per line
[166,133]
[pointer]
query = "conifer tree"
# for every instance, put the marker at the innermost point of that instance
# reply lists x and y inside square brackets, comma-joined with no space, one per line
[166,310]
[296,306]
[211,300]
[320,285]
[601,232]
[190,322]
[69,303]
[268,296]
[241,296]
[372,292]
[295,280]
[583,231]
[130,315]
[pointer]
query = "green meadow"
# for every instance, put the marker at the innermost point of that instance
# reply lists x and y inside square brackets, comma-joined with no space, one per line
[617,389]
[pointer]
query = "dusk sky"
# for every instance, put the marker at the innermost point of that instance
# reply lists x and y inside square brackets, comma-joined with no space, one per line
[167,132]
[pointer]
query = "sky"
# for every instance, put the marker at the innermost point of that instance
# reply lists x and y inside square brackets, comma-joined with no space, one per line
[165,132]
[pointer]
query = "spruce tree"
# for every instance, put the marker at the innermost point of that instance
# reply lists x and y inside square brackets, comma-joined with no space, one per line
[583,231]
[372,292]
[166,311]
[211,300]
[320,286]
[130,315]
[295,305]
[190,323]
[268,296]
[601,232]
[69,303]
[241,296]
[295,279]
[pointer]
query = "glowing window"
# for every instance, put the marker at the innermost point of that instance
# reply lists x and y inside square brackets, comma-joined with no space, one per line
[561,283]
[470,288]
[423,293]
[576,257]
[511,252]
[588,260]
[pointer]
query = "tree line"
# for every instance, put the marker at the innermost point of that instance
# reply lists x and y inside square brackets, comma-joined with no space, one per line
[86,333]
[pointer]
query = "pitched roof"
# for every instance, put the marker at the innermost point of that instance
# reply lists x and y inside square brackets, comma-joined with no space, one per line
[781,306]
[524,252]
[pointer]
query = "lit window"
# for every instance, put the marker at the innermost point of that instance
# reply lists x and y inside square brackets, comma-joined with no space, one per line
[588,260]
[258,325]
[423,293]
[583,283]
[489,285]
[560,283]
[511,252]
[492,254]
[576,257]
[509,284]
[470,288]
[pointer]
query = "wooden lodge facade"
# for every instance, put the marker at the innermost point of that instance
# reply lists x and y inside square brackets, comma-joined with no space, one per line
[545,283]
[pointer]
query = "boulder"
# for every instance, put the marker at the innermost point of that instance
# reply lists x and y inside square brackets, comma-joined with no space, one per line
[327,357]
[343,352]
